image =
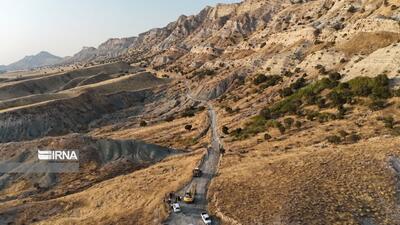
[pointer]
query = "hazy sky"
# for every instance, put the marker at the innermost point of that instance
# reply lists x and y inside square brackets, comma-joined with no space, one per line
[63,27]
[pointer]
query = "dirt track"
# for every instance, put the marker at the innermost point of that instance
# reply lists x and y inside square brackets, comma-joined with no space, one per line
[190,214]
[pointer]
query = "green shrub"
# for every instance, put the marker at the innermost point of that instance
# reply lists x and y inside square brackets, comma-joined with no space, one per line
[311,99]
[272,81]
[396,131]
[267,137]
[337,98]
[288,122]
[321,102]
[377,87]
[360,86]
[287,73]
[325,117]
[353,138]
[335,76]
[204,72]
[299,83]
[286,92]
[259,79]
[334,139]
[237,132]
[388,121]
[256,125]
[272,123]
[328,83]
[266,81]
[311,115]
[280,127]
[266,113]
[341,112]
[292,104]
[377,105]
[396,92]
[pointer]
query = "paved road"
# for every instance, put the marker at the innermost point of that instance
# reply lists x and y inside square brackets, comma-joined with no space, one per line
[190,214]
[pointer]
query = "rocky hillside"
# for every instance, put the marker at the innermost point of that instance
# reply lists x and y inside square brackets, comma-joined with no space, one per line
[274,36]
[278,35]
[33,61]
[112,48]
[307,102]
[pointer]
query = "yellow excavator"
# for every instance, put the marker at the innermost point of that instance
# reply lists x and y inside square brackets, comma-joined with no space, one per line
[190,194]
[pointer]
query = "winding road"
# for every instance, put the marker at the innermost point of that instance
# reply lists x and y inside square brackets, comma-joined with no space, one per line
[190,214]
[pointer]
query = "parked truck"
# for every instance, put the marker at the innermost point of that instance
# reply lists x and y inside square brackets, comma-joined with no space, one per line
[197,172]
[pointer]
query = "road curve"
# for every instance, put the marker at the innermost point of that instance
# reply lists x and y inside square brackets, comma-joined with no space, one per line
[190,214]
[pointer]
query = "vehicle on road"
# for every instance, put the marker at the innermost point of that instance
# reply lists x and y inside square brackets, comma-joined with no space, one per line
[176,207]
[190,194]
[197,172]
[206,218]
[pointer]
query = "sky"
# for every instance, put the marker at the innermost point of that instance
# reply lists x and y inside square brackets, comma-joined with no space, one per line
[63,27]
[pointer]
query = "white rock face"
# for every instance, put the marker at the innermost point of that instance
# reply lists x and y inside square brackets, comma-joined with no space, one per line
[269,37]
[382,61]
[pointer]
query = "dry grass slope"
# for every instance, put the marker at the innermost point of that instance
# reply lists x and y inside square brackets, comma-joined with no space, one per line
[136,198]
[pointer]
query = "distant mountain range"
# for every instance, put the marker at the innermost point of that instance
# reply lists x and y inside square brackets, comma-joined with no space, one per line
[111,48]
[33,61]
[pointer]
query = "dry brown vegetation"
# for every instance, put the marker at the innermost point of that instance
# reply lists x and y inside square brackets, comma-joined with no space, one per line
[136,198]
[296,177]
[365,43]
[345,184]
[171,133]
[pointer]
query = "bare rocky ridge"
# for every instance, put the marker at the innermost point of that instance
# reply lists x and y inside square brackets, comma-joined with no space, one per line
[110,49]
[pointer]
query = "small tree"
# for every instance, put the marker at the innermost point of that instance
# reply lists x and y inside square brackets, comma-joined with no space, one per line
[337,98]
[377,105]
[388,121]
[288,122]
[143,123]
[188,127]
[280,127]
[321,102]
[259,79]
[334,139]
[353,138]
[335,76]
[286,92]
[266,113]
